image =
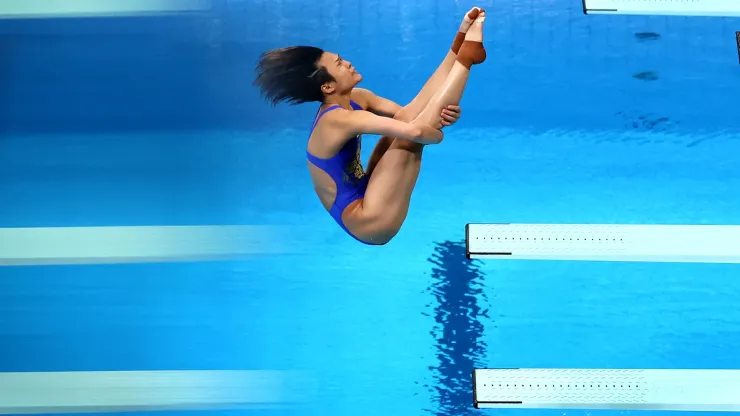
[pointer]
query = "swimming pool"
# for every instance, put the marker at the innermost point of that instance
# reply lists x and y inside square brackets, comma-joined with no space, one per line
[551,132]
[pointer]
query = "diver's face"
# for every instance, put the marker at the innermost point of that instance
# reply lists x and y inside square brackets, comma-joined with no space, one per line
[344,74]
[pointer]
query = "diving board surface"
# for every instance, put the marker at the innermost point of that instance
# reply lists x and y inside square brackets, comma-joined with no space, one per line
[618,389]
[140,244]
[604,242]
[726,8]
[120,391]
[31,9]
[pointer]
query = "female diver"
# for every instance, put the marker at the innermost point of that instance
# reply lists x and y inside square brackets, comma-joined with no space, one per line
[370,205]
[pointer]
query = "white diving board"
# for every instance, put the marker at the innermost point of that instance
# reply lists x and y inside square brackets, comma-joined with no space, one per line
[726,8]
[33,9]
[124,391]
[628,389]
[604,242]
[140,244]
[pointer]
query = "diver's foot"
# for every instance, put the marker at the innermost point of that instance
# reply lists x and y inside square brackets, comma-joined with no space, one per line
[468,20]
[472,51]
[475,31]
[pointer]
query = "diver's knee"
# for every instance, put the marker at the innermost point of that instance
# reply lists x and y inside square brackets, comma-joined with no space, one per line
[405,114]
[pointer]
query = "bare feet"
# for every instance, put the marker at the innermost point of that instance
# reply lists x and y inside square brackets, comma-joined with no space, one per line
[472,51]
[468,20]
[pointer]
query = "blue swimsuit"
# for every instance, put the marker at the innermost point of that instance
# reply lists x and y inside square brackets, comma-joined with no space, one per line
[345,168]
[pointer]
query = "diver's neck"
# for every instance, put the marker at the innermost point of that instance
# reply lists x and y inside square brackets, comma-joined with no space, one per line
[343,100]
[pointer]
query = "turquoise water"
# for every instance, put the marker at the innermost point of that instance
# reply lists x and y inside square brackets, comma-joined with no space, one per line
[389,330]
[573,118]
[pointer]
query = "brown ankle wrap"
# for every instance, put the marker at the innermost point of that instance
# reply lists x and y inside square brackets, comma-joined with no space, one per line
[457,43]
[471,53]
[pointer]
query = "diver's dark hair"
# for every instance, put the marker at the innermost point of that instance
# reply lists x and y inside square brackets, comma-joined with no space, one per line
[291,75]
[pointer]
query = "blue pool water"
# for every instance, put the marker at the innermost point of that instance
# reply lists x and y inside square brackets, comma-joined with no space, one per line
[155,124]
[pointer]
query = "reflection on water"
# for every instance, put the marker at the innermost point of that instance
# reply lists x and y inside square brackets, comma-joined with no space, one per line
[457,285]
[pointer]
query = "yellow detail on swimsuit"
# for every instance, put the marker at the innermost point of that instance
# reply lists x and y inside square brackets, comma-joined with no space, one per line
[354,170]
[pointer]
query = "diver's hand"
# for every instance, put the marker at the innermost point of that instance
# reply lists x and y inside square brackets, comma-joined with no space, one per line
[450,115]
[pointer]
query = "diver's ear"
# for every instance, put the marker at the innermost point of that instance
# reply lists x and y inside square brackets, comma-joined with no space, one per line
[328,88]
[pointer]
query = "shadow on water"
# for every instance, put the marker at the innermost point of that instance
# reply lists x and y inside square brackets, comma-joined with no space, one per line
[457,285]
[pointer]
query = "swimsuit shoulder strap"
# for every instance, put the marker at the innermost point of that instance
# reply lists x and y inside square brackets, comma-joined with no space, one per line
[321,114]
[311,157]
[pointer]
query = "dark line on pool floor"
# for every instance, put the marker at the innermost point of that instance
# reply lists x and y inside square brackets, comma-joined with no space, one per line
[458,287]
[647,36]
[646,76]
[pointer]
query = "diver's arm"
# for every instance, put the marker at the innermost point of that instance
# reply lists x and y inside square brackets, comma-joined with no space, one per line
[375,103]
